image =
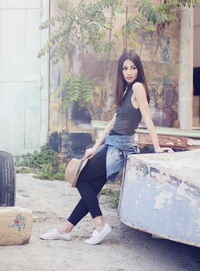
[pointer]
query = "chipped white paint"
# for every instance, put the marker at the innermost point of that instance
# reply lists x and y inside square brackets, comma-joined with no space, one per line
[181,189]
[176,164]
[178,198]
[167,188]
[136,137]
[169,143]
[192,142]
[161,198]
[155,175]
[162,182]
[198,224]
[179,226]
[192,200]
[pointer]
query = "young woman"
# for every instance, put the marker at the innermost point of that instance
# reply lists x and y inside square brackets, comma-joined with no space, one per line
[106,160]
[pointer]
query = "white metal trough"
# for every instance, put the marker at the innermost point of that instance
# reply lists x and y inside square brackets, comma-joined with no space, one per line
[161,195]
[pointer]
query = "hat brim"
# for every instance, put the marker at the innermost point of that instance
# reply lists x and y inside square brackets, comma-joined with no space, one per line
[81,166]
[73,170]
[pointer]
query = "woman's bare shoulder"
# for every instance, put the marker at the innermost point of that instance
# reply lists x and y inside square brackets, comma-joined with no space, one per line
[137,84]
[138,89]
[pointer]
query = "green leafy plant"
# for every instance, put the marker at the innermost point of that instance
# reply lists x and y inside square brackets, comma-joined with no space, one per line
[75,88]
[47,172]
[42,157]
[27,170]
[84,24]
[80,27]
[45,162]
[87,25]
[152,17]
[60,174]
[164,12]
[113,194]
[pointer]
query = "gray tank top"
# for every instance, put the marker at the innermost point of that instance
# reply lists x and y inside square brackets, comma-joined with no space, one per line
[127,116]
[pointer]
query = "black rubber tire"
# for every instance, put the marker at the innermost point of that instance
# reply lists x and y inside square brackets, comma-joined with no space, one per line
[7,179]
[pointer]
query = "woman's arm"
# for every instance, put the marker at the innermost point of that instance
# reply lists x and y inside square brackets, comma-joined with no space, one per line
[105,131]
[140,96]
[89,153]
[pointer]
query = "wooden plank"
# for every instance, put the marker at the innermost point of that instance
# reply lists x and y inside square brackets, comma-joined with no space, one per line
[171,131]
[168,141]
[176,142]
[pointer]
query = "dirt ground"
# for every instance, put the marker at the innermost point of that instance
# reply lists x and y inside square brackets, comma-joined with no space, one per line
[123,250]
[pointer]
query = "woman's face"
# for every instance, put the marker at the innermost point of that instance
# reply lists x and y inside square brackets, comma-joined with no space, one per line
[129,71]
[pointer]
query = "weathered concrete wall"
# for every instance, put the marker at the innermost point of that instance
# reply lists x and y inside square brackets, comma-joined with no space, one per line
[196,71]
[159,53]
[186,68]
[57,116]
[161,69]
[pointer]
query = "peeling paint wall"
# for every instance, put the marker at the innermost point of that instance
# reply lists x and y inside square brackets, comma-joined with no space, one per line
[159,54]
[160,57]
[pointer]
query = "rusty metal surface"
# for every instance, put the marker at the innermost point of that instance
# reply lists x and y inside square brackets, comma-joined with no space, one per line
[161,195]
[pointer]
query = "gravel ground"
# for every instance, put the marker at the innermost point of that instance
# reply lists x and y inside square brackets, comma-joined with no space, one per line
[123,250]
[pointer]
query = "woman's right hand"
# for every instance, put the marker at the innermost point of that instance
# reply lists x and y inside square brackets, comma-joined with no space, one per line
[89,153]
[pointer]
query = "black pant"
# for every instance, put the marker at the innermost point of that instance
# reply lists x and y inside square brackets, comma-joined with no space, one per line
[89,184]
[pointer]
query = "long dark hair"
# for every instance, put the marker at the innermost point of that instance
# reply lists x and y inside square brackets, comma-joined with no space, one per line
[121,84]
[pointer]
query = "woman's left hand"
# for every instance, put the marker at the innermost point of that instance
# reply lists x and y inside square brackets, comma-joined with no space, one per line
[89,153]
[161,150]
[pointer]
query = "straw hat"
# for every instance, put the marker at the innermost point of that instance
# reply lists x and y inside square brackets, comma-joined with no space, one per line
[73,170]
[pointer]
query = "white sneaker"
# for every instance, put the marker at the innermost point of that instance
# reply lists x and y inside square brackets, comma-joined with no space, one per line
[55,235]
[97,237]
